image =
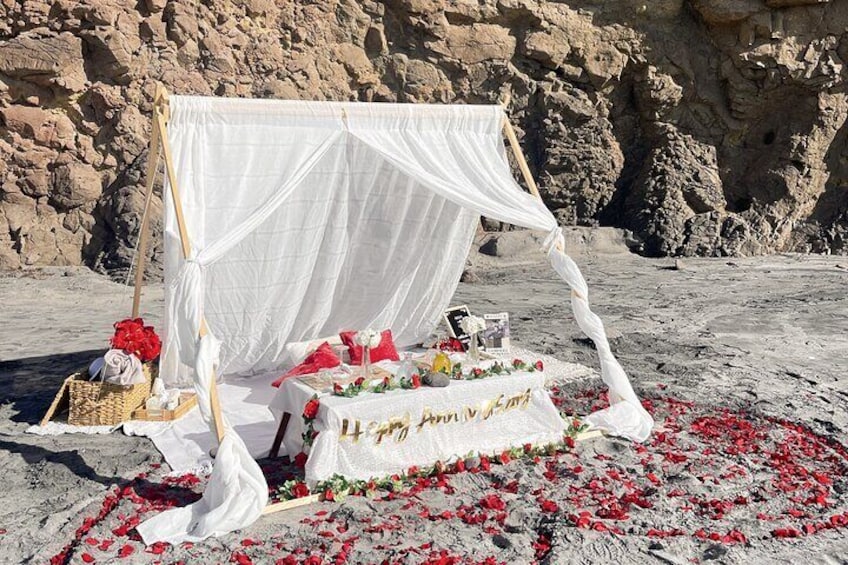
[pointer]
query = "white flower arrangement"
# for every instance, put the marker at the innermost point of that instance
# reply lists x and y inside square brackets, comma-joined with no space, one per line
[472,325]
[368,338]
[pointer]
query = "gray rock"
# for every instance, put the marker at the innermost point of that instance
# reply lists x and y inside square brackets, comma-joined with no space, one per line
[436,379]
[715,551]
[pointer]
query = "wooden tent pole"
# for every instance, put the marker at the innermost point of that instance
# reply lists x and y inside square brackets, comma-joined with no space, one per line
[160,111]
[516,150]
[144,231]
[519,155]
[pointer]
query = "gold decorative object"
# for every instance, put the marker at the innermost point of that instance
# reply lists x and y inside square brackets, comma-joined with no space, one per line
[442,363]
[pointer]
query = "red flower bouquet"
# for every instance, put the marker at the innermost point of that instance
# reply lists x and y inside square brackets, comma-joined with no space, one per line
[135,338]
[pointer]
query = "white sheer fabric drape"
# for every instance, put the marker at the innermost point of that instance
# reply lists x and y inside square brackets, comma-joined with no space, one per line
[310,217]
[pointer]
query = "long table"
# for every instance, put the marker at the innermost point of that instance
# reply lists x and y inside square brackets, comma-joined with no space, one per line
[378,434]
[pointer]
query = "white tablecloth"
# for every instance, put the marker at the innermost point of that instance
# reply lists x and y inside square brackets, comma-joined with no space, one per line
[491,414]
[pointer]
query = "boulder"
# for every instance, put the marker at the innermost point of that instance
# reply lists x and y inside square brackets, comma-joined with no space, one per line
[724,12]
[155,6]
[550,47]
[53,129]
[53,60]
[476,43]
[356,63]
[75,184]
[112,53]
[680,180]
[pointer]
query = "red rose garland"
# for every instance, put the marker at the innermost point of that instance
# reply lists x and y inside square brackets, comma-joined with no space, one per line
[310,412]
[311,409]
[133,337]
[456,373]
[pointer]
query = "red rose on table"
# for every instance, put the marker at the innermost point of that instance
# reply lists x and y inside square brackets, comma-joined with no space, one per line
[504,457]
[569,441]
[459,466]
[540,366]
[299,490]
[311,409]
[478,371]
[416,380]
[300,459]
[412,471]
[329,496]
[337,388]
[359,381]
[528,448]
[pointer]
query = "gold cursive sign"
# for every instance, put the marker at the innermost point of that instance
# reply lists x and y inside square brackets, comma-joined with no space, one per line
[397,427]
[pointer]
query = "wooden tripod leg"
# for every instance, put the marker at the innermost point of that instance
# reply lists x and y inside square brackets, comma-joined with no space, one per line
[281,434]
[217,418]
[160,110]
[519,157]
[293,503]
[144,231]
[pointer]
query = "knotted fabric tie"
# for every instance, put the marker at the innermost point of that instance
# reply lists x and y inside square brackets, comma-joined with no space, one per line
[552,240]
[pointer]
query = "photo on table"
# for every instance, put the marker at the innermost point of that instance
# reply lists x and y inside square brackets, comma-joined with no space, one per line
[496,334]
[453,316]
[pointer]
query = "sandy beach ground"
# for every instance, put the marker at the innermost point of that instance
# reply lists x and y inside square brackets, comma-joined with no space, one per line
[766,338]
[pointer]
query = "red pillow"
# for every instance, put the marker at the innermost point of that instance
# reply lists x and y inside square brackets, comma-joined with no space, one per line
[386,349]
[322,358]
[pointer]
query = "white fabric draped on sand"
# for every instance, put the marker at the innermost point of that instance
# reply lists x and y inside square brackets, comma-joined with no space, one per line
[306,218]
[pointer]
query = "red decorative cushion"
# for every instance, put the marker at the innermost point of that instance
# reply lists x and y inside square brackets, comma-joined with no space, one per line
[385,351]
[322,358]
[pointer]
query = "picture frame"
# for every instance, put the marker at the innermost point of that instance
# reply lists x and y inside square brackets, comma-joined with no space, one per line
[496,334]
[452,317]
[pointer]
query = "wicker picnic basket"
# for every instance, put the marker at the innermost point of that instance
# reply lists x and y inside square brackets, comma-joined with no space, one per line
[95,403]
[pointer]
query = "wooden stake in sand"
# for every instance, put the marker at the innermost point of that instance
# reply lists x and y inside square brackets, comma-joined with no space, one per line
[159,135]
[144,231]
[516,151]
[520,159]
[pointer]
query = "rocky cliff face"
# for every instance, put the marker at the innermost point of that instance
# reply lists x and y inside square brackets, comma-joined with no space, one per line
[705,126]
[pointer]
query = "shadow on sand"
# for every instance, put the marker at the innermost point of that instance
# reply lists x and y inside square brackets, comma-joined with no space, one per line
[30,384]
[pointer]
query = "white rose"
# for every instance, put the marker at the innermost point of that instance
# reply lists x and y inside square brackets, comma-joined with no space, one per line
[472,324]
[121,368]
[368,338]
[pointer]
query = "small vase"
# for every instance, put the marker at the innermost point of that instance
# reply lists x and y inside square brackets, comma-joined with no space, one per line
[473,350]
[366,362]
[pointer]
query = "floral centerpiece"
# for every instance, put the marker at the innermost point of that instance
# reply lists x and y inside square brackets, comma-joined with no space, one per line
[133,344]
[134,338]
[368,339]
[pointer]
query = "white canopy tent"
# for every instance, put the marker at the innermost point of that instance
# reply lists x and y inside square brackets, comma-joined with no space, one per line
[293,220]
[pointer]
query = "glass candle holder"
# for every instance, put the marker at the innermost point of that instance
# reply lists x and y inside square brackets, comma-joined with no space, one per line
[366,362]
[474,349]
